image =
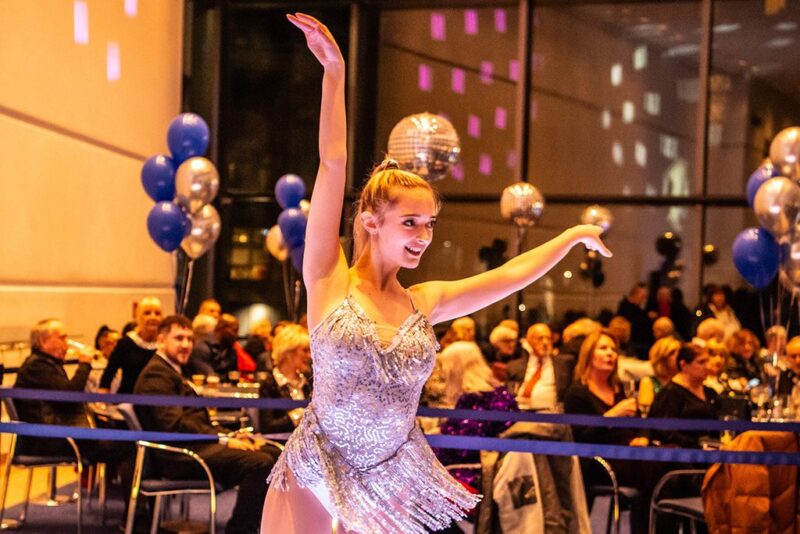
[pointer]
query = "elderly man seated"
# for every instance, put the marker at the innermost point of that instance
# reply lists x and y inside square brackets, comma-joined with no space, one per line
[44,369]
[243,460]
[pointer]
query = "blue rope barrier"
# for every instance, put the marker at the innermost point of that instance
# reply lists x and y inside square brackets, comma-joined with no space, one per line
[481,415]
[556,448]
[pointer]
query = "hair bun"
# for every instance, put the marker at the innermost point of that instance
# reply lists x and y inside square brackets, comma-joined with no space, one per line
[389,163]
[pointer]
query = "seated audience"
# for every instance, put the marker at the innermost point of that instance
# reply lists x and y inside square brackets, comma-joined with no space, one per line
[203,325]
[105,341]
[632,308]
[663,359]
[711,328]
[44,369]
[789,368]
[242,460]
[685,397]
[134,350]
[462,329]
[663,327]
[717,357]
[503,348]
[211,308]
[744,364]
[216,354]
[470,384]
[290,378]
[621,328]
[596,391]
[776,342]
[544,377]
[259,344]
[575,333]
[717,307]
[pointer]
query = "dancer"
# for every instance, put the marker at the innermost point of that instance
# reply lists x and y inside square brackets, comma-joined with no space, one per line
[357,457]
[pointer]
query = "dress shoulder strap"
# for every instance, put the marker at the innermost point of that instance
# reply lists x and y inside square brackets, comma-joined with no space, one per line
[411,299]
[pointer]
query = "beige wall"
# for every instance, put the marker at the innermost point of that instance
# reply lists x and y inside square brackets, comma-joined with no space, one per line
[73,237]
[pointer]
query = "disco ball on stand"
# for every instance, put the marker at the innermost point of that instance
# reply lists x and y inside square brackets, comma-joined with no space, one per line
[425,144]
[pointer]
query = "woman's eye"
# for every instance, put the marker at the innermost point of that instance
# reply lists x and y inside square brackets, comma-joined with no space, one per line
[431,225]
[409,223]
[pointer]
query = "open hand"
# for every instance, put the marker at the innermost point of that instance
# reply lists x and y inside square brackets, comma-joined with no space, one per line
[589,235]
[319,40]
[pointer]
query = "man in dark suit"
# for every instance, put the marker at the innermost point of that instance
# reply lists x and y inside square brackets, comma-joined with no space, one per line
[631,307]
[44,369]
[242,460]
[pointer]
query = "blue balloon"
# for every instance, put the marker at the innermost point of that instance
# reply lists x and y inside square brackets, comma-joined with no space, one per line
[187,137]
[290,190]
[158,177]
[167,225]
[766,171]
[292,223]
[297,257]
[756,255]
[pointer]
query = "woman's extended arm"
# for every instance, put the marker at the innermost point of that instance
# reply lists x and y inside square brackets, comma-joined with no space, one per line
[324,263]
[448,300]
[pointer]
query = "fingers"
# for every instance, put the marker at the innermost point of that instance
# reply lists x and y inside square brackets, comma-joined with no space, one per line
[305,25]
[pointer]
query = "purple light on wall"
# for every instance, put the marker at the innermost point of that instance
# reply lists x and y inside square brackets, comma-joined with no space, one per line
[474,126]
[457,172]
[425,74]
[500,24]
[470,22]
[131,7]
[513,70]
[511,159]
[458,81]
[438,27]
[80,22]
[112,62]
[487,71]
[500,118]
[485,164]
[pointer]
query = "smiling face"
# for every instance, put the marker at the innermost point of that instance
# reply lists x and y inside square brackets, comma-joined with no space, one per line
[401,233]
[148,315]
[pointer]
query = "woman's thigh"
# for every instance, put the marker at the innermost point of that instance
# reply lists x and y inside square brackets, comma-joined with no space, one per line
[294,511]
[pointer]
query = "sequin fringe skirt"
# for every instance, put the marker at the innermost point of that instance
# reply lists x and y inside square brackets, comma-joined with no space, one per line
[406,493]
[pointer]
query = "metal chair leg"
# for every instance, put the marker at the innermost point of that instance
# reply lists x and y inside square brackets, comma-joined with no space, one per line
[28,485]
[156,515]
[7,524]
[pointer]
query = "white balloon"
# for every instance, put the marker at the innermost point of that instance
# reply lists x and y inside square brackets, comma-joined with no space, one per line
[205,230]
[276,245]
[196,183]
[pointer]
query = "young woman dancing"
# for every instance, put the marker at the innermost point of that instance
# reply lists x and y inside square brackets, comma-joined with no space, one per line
[357,457]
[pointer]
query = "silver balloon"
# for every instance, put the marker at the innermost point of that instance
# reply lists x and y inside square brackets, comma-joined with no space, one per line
[196,183]
[276,245]
[790,270]
[305,207]
[425,144]
[598,216]
[522,204]
[785,152]
[776,204]
[204,233]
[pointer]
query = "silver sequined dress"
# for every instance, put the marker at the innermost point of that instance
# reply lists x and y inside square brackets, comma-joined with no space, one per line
[359,438]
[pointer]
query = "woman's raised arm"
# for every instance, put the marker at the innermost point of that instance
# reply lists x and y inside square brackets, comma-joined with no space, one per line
[324,263]
[447,300]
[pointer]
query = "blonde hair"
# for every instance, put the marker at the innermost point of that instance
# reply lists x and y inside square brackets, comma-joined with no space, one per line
[289,338]
[584,365]
[660,352]
[502,331]
[464,370]
[41,331]
[379,193]
[581,327]
[711,328]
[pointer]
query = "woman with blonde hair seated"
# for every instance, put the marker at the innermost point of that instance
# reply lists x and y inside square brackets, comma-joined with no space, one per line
[290,378]
[663,356]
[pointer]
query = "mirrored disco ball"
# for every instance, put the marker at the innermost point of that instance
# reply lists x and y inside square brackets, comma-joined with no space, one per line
[522,204]
[599,216]
[425,144]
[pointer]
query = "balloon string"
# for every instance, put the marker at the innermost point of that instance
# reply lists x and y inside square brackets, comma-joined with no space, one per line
[761,310]
[287,292]
[187,285]
[298,288]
